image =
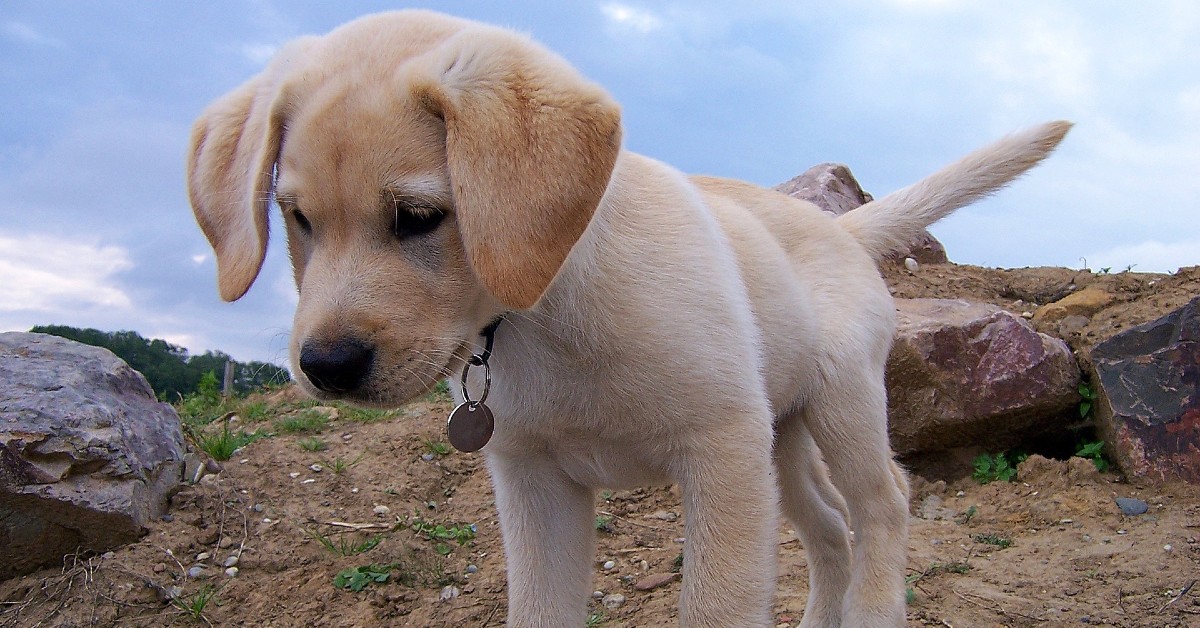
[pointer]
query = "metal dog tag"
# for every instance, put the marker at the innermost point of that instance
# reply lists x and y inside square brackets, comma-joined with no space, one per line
[470,426]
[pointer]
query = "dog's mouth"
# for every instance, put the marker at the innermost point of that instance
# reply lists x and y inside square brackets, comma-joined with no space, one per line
[360,373]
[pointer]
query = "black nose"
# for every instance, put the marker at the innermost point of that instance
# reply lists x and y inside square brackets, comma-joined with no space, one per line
[336,367]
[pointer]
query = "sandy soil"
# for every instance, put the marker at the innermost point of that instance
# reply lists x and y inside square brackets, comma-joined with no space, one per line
[1049,549]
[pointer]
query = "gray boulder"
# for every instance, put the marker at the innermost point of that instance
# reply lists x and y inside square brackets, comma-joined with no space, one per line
[963,374]
[833,188]
[1148,406]
[88,456]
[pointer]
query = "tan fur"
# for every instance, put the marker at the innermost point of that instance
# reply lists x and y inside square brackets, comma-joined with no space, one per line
[660,328]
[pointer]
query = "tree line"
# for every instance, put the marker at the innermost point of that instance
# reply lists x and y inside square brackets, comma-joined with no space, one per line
[169,369]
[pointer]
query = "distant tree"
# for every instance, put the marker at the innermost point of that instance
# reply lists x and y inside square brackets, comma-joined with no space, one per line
[169,369]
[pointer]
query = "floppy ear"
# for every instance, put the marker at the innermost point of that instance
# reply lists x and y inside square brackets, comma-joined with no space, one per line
[230,173]
[530,147]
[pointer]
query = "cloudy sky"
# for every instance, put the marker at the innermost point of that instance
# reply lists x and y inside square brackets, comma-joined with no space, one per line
[98,98]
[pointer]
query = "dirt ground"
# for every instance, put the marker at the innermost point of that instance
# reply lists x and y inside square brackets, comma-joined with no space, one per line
[1051,548]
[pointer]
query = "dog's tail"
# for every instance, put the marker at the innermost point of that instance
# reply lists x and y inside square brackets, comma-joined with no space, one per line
[890,224]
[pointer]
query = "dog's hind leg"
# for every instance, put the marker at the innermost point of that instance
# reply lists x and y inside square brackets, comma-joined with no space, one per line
[549,533]
[818,511]
[848,420]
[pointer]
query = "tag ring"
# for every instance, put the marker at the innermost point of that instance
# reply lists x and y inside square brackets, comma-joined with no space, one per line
[476,360]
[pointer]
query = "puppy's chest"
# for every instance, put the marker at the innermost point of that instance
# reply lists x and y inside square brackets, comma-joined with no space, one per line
[608,465]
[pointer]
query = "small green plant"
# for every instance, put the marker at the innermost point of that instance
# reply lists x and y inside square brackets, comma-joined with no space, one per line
[1089,400]
[993,539]
[1093,451]
[253,411]
[363,415]
[1001,466]
[437,448]
[910,581]
[677,564]
[968,515]
[312,443]
[358,578]
[594,619]
[222,444]
[204,405]
[340,464]
[345,546]
[193,605]
[604,524]
[307,421]
[440,393]
[440,533]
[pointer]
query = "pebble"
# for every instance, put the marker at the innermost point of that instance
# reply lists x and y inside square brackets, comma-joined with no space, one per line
[597,595]
[160,567]
[195,572]
[308,481]
[231,572]
[1132,506]
[609,564]
[212,466]
[380,509]
[258,508]
[354,490]
[226,543]
[654,581]
[168,518]
[243,461]
[472,569]
[1168,547]
[316,468]
[911,264]
[232,561]
[427,457]
[613,601]
[203,556]
[294,474]
[449,592]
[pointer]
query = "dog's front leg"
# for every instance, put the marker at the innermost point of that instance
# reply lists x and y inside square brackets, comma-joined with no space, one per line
[547,522]
[731,503]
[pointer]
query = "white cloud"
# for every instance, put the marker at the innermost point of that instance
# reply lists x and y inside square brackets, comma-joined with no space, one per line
[50,274]
[637,19]
[25,33]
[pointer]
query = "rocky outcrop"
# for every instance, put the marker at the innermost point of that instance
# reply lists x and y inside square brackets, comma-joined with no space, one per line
[963,374]
[1148,384]
[88,456]
[833,188]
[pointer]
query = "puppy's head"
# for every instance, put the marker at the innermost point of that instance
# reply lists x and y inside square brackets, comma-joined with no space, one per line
[431,174]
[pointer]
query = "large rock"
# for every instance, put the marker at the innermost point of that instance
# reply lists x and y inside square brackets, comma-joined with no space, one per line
[88,456]
[1148,410]
[833,188]
[963,374]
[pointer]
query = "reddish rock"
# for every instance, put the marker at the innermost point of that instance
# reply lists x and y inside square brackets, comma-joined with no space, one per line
[1148,407]
[964,374]
[653,581]
[833,188]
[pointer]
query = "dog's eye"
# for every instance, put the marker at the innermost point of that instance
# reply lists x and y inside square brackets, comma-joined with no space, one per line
[302,221]
[413,220]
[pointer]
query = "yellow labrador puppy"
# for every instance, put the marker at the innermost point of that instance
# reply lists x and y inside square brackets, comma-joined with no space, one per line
[435,174]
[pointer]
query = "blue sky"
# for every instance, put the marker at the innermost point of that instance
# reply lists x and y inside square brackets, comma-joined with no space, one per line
[98,99]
